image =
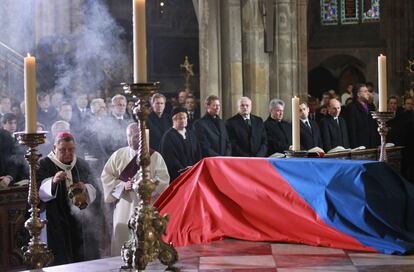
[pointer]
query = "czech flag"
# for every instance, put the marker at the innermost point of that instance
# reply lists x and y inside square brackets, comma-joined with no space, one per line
[355,205]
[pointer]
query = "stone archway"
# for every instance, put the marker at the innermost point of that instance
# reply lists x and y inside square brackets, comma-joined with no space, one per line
[349,75]
[336,71]
[320,80]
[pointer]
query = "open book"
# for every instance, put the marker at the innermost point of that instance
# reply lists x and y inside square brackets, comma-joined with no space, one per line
[316,152]
[316,149]
[277,155]
[21,183]
[343,149]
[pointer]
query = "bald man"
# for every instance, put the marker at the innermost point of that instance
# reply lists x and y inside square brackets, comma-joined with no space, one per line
[333,127]
[246,132]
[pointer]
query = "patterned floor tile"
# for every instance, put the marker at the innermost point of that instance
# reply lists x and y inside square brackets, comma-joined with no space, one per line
[237,262]
[304,249]
[361,259]
[308,260]
[347,268]
[387,268]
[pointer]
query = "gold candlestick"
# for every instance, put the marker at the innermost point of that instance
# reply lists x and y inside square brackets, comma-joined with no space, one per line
[382,118]
[146,226]
[36,254]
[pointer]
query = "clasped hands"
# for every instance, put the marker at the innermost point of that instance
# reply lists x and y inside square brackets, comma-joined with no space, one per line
[5,181]
[129,184]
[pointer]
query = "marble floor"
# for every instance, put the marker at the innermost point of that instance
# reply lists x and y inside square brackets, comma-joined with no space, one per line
[235,255]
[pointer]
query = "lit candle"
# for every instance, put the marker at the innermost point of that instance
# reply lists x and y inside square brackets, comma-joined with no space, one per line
[382,83]
[140,41]
[30,93]
[295,124]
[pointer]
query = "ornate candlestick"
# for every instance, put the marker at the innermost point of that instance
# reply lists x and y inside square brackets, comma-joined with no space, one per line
[146,226]
[36,254]
[382,119]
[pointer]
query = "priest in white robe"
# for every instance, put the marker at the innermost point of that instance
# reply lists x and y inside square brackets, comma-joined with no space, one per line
[118,178]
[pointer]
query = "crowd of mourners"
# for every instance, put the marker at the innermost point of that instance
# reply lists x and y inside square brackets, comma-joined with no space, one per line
[96,137]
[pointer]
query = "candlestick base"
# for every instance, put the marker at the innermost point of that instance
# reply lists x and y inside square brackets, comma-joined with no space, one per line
[36,254]
[382,118]
[146,225]
[296,154]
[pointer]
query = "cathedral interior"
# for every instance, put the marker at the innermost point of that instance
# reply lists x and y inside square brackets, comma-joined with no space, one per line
[261,49]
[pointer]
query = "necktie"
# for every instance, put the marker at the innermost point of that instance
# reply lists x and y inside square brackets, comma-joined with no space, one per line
[247,121]
[190,115]
[308,126]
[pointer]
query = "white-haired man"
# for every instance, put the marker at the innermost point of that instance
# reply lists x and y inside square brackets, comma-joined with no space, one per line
[116,122]
[279,131]
[246,132]
[121,176]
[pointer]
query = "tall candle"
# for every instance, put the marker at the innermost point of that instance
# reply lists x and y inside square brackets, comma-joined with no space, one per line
[30,93]
[295,124]
[382,83]
[140,41]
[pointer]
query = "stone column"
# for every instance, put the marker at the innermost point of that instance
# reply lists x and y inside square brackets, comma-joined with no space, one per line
[209,49]
[231,56]
[288,63]
[399,44]
[255,60]
[57,17]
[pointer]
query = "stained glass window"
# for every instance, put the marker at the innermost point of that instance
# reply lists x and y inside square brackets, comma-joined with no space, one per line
[349,12]
[329,12]
[370,10]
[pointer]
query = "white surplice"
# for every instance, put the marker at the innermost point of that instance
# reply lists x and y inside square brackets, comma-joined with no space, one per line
[127,200]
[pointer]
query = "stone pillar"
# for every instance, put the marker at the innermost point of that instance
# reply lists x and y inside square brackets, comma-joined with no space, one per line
[255,60]
[288,62]
[209,50]
[231,56]
[57,17]
[399,44]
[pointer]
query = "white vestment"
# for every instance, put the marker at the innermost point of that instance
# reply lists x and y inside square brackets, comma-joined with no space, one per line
[127,200]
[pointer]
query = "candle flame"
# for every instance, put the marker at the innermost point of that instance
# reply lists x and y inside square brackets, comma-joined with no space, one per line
[28,55]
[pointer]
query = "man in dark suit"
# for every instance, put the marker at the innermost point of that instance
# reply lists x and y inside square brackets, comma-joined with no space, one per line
[11,152]
[81,112]
[8,149]
[333,127]
[310,135]
[193,112]
[246,132]
[46,113]
[158,121]
[314,109]
[278,131]
[211,131]
[362,127]
[179,146]
[116,123]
